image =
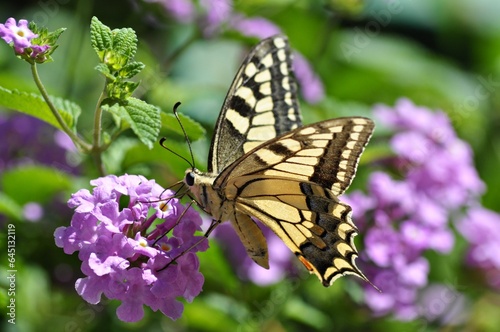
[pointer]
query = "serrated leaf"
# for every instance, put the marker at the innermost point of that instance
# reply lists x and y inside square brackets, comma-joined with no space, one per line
[125,42]
[43,181]
[104,69]
[101,37]
[141,117]
[34,105]
[131,69]
[194,129]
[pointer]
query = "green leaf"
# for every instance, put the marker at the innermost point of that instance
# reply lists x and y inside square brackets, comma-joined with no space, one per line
[194,129]
[101,37]
[125,42]
[121,90]
[43,181]
[143,118]
[34,105]
[104,69]
[131,69]
[9,207]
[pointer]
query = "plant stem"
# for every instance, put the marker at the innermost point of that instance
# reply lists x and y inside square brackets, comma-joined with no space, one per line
[96,146]
[77,140]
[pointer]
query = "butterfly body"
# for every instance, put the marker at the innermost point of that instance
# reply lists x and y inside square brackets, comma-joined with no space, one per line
[264,164]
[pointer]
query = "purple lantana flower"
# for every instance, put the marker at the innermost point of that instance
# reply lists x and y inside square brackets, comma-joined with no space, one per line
[140,253]
[25,42]
[402,219]
[17,34]
[481,227]
[39,142]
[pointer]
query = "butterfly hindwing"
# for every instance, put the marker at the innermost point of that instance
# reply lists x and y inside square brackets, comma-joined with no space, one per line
[261,104]
[308,218]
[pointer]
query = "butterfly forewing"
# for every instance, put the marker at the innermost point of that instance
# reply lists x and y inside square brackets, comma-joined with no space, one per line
[325,153]
[261,104]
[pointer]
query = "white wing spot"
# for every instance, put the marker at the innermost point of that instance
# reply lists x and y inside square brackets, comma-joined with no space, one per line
[341,176]
[250,145]
[264,105]
[343,164]
[337,129]
[303,160]
[359,121]
[343,248]
[279,42]
[307,131]
[273,172]
[321,143]
[310,152]
[295,168]
[338,210]
[263,133]
[355,136]
[285,83]
[321,136]
[337,186]
[265,88]
[341,264]
[351,144]
[239,122]
[267,61]
[250,69]
[281,55]
[291,144]
[284,69]
[269,156]
[266,118]
[358,128]
[247,95]
[263,76]
[304,230]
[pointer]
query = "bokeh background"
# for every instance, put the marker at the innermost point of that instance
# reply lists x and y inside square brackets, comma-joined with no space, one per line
[440,54]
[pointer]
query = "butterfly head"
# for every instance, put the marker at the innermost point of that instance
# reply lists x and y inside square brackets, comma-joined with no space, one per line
[200,184]
[190,176]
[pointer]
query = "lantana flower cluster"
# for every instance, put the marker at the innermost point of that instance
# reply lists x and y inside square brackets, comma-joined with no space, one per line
[136,245]
[21,37]
[410,203]
[481,227]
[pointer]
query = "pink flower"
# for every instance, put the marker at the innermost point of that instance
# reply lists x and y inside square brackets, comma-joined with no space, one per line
[125,260]
[18,34]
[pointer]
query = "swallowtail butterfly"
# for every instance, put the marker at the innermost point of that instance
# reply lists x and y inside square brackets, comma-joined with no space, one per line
[264,164]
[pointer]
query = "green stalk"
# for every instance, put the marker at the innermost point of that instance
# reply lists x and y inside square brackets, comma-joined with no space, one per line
[77,140]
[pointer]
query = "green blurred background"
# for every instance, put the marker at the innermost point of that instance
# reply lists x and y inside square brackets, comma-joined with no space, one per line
[441,54]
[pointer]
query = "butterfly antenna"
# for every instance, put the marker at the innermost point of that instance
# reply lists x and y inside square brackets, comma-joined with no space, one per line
[162,143]
[184,131]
